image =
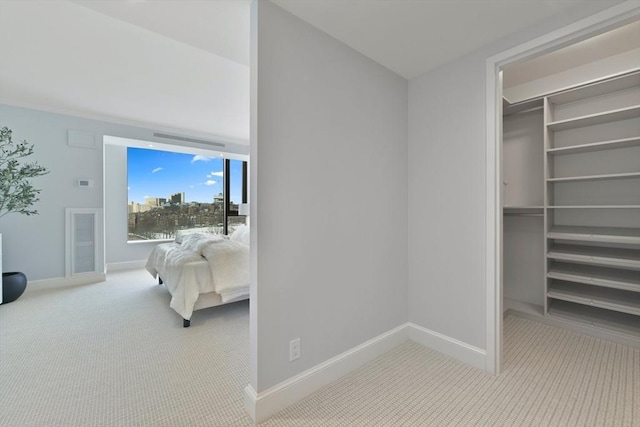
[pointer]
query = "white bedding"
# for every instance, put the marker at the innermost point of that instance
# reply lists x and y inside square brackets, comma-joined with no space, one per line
[201,264]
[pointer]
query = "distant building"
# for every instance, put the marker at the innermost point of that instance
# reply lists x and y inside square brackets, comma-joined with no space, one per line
[219,199]
[154,201]
[176,199]
[134,207]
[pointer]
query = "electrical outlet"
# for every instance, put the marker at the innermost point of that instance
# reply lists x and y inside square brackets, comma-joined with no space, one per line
[294,349]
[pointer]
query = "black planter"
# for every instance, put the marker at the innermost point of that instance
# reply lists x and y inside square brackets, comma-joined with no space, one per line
[13,285]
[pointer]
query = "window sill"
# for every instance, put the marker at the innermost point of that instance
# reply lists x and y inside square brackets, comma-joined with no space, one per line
[138,242]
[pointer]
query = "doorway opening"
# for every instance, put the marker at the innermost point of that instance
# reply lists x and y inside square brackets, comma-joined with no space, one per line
[546,88]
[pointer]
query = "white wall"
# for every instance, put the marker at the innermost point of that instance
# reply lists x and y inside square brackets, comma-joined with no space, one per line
[447,189]
[35,245]
[446,201]
[115,218]
[329,164]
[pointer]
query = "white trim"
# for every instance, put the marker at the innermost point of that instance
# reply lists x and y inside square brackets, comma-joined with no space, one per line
[154,241]
[493,231]
[62,282]
[261,406]
[580,30]
[152,142]
[448,346]
[251,402]
[126,265]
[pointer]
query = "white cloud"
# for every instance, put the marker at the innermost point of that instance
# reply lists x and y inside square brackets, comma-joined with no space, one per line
[200,158]
[219,173]
[192,186]
[156,170]
[211,182]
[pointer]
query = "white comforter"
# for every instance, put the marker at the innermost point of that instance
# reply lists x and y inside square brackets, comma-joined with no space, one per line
[180,267]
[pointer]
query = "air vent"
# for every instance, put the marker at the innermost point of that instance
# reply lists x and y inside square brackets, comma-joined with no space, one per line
[187,139]
[83,241]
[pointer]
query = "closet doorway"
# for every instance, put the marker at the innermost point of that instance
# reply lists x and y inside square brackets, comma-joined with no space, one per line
[567,179]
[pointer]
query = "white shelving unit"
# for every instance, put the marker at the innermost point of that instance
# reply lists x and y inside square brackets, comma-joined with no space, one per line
[596,119]
[592,206]
[597,255]
[621,235]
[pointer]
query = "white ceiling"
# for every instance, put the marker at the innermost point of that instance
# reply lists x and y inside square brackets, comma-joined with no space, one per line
[62,56]
[181,65]
[220,27]
[411,37]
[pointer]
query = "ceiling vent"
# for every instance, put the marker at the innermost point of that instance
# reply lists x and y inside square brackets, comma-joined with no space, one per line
[186,139]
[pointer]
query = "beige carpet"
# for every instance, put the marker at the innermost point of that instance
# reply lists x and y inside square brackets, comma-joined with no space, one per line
[114,354]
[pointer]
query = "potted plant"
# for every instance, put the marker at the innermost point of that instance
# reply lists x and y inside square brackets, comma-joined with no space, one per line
[17,195]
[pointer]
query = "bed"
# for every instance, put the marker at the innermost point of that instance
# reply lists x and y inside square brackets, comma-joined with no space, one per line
[202,270]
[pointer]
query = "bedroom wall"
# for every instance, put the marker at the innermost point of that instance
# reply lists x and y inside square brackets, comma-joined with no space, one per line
[329,161]
[447,189]
[35,244]
[42,237]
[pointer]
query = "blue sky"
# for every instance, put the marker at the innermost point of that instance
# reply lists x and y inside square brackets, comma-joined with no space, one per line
[155,173]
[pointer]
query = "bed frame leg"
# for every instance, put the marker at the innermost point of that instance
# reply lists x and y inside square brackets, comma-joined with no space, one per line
[186,323]
[160,282]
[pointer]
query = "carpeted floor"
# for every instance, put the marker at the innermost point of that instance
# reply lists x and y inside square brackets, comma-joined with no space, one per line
[114,354]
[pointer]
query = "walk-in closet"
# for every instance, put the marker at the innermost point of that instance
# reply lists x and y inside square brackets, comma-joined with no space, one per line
[571,186]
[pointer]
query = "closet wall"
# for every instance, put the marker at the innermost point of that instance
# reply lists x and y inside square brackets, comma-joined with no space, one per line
[523,200]
[571,197]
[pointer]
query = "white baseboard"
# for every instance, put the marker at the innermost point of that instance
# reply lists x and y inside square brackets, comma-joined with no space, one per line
[448,346]
[261,406]
[61,282]
[250,402]
[126,265]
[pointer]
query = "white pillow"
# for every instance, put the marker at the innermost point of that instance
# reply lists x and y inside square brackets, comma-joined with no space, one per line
[180,236]
[241,234]
[194,242]
[191,241]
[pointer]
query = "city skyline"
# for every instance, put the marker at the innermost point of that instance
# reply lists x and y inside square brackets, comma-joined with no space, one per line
[158,174]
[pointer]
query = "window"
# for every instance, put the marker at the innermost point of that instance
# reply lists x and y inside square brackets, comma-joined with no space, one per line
[168,192]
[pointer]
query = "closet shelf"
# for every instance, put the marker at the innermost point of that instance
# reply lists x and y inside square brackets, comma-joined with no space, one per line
[594,207]
[626,280]
[614,257]
[596,177]
[607,321]
[596,234]
[615,84]
[596,146]
[523,210]
[610,299]
[596,119]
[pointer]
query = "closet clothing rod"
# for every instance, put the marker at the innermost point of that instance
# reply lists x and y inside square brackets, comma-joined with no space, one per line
[522,214]
[507,112]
